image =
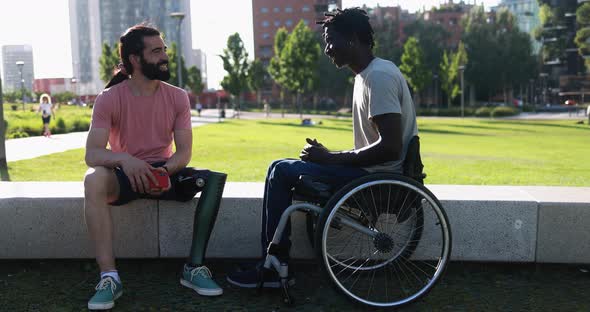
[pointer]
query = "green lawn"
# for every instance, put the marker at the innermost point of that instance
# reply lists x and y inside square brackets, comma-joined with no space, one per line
[455,151]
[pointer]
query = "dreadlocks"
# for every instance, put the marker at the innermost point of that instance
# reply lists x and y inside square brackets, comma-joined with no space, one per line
[350,22]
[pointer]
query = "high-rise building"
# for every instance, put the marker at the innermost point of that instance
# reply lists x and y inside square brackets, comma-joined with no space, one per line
[200,60]
[527,16]
[11,54]
[93,22]
[270,15]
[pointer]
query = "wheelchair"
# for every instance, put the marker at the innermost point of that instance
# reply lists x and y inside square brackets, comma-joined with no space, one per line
[383,240]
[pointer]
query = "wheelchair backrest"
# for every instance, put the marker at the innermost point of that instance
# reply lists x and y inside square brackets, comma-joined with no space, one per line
[412,166]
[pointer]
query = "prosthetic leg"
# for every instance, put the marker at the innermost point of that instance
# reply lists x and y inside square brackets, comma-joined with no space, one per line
[211,184]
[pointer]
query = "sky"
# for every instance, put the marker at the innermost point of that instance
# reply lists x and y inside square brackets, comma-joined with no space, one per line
[44,24]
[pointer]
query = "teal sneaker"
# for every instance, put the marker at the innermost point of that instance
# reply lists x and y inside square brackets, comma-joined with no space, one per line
[107,291]
[199,279]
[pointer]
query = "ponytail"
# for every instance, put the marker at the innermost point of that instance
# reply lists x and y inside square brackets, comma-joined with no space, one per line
[120,76]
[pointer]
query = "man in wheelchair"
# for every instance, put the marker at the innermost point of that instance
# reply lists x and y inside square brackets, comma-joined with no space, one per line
[384,122]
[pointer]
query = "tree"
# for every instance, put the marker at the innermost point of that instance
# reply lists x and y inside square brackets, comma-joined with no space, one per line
[449,72]
[173,67]
[447,76]
[256,76]
[299,60]
[63,97]
[274,68]
[387,41]
[4,176]
[108,61]
[500,55]
[583,35]
[432,40]
[235,63]
[414,68]
[194,80]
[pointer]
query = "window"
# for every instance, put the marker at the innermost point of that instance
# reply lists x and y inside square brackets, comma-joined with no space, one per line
[264,10]
[289,23]
[265,51]
[276,10]
[288,9]
[265,36]
[306,22]
[277,23]
[305,8]
[265,23]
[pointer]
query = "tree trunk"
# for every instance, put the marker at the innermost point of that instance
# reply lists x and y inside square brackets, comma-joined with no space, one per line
[315,101]
[258,98]
[282,103]
[299,105]
[3,165]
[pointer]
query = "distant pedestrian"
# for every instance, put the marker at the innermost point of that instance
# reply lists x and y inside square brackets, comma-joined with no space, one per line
[46,110]
[266,108]
[199,108]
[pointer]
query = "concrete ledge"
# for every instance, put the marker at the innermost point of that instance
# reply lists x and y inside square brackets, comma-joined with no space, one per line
[489,223]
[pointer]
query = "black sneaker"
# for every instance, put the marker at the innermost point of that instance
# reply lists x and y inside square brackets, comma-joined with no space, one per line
[249,278]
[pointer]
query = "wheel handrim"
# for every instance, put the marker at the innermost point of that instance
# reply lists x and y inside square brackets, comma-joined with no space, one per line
[336,266]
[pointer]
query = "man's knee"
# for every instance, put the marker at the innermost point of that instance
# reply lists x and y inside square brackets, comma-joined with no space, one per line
[99,182]
[286,169]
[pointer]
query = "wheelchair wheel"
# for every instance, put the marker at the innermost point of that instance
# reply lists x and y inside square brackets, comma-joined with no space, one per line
[384,240]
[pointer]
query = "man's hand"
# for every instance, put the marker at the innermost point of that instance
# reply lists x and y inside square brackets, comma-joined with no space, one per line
[139,174]
[314,151]
[159,191]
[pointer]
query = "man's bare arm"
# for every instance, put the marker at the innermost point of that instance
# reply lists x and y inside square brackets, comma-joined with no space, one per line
[137,170]
[387,148]
[183,140]
[96,152]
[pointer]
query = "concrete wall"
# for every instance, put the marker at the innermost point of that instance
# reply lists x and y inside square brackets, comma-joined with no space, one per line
[489,223]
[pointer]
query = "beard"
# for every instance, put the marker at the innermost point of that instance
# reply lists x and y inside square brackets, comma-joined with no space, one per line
[152,71]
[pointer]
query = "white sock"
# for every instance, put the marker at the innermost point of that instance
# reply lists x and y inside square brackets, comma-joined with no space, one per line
[112,273]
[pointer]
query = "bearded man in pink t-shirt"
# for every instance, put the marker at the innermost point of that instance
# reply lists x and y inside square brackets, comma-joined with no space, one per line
[140,116]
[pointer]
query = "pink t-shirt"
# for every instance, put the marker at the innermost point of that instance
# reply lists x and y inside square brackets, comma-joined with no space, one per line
[142,126]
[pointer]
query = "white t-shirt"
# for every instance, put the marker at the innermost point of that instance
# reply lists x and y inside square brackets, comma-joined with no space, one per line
[381,89]
[45,108]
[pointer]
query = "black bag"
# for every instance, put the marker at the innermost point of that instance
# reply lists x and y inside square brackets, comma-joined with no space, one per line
[413,167]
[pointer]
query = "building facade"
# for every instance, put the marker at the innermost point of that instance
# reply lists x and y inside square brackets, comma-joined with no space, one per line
[449,16]
[200,60]
[270,15]
[527,16]
[54,85]
[93,22]
[11,54]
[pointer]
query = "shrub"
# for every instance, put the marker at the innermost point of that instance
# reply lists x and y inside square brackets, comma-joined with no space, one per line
[445,112]
[504,111]
[60,126]
[80,125]
[14,107]
[483,112]
[17,133]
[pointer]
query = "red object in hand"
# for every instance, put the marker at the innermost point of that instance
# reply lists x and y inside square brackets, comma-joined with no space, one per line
[162,178]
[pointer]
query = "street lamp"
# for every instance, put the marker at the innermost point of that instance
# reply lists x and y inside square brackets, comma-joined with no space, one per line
[20,65]
[180,17]
[436,90]
[74,85]
[544,86]
[461,70]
